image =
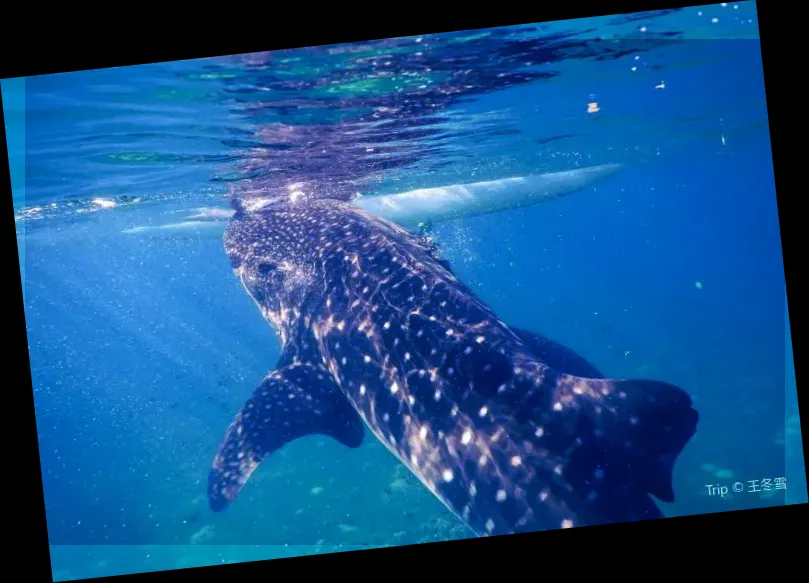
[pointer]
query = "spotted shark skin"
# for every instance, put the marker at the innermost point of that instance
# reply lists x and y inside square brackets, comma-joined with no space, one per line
[510,430]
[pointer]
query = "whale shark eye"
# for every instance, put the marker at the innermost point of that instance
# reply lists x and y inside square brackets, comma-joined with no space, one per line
[265,268]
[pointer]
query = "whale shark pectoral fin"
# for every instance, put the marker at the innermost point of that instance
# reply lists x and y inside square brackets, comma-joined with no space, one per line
[290,403]
[617,440]
[557,356]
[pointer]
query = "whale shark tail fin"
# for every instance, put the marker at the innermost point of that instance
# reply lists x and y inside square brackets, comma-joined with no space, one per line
[291,402]
[654,420]
[621,439]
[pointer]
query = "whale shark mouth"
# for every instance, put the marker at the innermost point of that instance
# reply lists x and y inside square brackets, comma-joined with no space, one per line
[422,206]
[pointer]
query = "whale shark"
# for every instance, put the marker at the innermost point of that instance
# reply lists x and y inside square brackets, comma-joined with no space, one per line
[510,430]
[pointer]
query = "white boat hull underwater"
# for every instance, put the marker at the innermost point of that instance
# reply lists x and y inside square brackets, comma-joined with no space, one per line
[425,206]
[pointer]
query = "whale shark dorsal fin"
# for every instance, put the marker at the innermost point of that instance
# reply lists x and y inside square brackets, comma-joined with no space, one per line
[293,401]
[556,355]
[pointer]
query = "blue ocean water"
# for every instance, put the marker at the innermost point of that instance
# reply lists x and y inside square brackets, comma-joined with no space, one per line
[142,349]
